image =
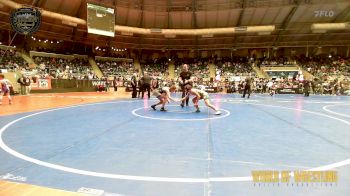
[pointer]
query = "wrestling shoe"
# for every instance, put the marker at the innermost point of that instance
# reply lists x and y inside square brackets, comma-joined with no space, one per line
[153,107]
[163,109]
[197,111]
[182,105]
[217,113]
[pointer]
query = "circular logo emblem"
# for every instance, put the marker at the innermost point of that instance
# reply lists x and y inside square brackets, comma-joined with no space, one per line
[25,20]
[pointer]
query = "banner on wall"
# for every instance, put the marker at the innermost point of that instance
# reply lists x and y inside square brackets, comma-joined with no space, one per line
[235,79]
[288,91]
[98,82]
[41,84]
[110,82]
[211,89]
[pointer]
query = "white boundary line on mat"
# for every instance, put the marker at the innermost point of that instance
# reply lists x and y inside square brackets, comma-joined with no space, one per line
[336,113]
[134,112]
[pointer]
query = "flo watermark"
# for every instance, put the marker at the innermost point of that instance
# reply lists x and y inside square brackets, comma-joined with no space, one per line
[324,13]
[294,178]
[9,176]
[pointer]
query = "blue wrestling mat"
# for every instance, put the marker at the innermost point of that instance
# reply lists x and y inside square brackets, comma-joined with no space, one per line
[125,148]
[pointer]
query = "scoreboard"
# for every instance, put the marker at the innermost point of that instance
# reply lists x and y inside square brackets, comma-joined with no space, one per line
[100,20]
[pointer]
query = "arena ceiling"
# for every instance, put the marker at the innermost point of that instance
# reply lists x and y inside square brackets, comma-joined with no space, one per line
[292,20]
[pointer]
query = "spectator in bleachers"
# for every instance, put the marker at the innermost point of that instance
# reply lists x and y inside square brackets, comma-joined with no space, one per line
[121,69]
[61,68]
[158,68]
[11,60]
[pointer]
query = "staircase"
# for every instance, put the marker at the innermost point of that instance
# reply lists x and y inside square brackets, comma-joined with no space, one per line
[28,59]
[307,75]
[137,66]
[95,68]
[171,70]
[212,70]
[259,72]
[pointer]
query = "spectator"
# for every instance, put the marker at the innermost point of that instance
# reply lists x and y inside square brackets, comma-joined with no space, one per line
[134,85]
[27,84]
[115,83]
[22,82]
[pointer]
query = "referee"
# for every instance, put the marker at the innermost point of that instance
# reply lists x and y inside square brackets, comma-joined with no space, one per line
[247,87]
[185,79]
[146,85]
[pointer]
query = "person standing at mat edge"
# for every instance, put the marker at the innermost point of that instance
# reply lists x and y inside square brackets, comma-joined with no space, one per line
[146,85]
[133,83]
[5,85]
[185,79]
[247,87]
[115,83]
[22,82]
[307,85]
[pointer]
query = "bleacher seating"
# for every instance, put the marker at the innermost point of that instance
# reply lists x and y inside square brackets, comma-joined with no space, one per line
[64,68]
[157,68]
[120,68]
[11,60]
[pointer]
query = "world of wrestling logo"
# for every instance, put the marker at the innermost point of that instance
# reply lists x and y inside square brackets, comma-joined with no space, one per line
[25,20]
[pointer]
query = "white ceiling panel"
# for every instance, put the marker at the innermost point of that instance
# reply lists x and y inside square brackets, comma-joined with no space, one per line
[201,19]
[186,18]
[134,17]
[181,19]
[282,14]
[212,19]
[258,16]
[161,20]
[149,19]
[270,16]
[247,16]
[232,18]
[122,15]
[222,18]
